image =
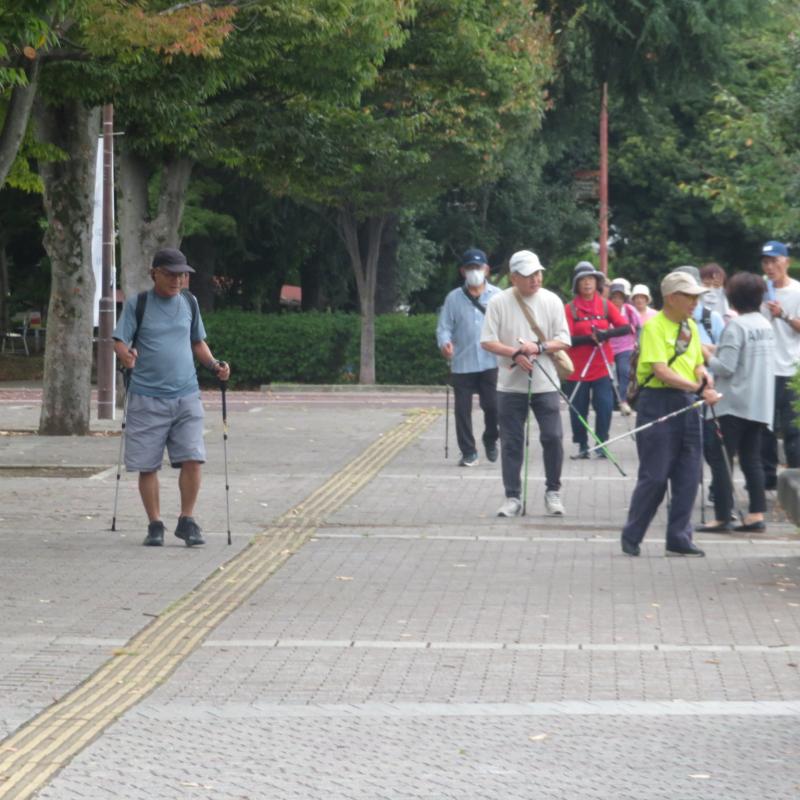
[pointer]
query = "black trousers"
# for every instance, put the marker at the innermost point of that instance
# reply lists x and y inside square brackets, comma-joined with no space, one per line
[513,415]
[484,384]
[743,439]
[786,423]
[669,454]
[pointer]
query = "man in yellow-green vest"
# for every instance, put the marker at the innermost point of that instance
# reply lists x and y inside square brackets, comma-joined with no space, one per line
[672,375]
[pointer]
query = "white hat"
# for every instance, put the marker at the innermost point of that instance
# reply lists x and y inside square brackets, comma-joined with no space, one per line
[525,263]
[640,288]
[620,285]
[682,282]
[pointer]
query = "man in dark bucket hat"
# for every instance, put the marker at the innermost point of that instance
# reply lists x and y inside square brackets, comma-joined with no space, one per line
[157,338]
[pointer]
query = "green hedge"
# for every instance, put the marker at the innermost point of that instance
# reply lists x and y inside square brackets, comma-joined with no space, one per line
[313,347]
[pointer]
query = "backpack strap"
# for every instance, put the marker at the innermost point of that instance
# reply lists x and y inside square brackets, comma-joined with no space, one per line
[193,307]
[574,311]
[705,319]
[141,304]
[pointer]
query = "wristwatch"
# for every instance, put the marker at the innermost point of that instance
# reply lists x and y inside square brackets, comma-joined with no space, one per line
[542,347]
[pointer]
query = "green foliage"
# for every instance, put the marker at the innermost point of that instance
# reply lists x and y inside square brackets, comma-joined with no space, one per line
[405,350]
[749,159]
[465,79]
[323,348]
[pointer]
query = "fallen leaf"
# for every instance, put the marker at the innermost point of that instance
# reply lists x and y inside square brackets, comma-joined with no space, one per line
[712,661]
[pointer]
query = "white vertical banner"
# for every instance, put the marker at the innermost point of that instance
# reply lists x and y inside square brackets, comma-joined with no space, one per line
[97,233]
[97,251]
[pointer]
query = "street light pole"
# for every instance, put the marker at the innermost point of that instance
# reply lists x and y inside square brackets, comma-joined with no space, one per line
[604,180]
[105,344]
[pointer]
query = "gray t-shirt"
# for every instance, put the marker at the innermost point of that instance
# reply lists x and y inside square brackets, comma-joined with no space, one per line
[165,365]
[744,369]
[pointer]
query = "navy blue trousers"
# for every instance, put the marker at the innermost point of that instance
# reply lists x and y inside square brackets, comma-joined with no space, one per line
[669,453]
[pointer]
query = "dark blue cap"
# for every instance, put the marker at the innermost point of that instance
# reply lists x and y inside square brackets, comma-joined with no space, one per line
[171,260]
[473,256]
[775,249]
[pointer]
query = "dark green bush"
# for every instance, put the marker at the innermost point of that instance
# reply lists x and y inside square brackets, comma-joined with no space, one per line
[315,347]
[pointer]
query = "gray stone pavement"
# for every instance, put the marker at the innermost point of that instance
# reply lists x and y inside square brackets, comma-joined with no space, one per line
[417,646]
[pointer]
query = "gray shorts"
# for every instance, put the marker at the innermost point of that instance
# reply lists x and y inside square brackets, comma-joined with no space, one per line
[157,422]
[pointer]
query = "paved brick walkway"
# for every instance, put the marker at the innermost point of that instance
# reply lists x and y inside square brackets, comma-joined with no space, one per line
[417,646]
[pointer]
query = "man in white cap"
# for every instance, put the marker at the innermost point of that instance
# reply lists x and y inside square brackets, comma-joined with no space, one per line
[509,334]
[782,309]
[672,375]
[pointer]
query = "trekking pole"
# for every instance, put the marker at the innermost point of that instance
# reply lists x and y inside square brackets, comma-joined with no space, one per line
[527,443]
[614,382]
[696,404]
[126,379]
[582,375]
[223,386]
[728,467]
[446,419]
[702,473]
[585,424]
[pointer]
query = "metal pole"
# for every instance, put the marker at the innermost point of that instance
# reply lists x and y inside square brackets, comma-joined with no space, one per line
[223,386]
[604,180]
[447,420]
[105,345]
[647,425]
[527,443]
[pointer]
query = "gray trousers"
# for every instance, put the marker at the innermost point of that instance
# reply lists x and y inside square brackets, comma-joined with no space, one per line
[512,411]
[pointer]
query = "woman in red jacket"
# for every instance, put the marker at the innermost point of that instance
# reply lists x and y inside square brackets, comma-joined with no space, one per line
[590,316]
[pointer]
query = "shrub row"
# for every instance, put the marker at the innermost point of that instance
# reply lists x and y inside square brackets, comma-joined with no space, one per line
[323,348]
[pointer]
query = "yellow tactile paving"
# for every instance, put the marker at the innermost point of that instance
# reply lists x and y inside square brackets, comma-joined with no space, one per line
[34,753]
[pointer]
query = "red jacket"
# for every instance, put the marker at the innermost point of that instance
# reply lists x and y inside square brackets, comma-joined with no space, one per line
[591,314]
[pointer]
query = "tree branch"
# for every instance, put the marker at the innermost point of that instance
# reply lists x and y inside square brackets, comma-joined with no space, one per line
[16,121]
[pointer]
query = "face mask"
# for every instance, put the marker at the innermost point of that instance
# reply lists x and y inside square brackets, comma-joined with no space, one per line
[475,277]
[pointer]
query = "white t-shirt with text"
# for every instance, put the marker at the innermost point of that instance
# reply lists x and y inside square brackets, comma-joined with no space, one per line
[787,341]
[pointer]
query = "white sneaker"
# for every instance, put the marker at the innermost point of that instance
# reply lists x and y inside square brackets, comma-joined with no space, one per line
[511,508]
[625,409]
[553,504]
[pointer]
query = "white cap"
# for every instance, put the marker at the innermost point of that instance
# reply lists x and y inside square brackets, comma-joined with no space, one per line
[525,263]
[640,288]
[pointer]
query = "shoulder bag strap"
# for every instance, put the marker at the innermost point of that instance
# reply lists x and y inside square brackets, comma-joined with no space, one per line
[528,316]
[474,300]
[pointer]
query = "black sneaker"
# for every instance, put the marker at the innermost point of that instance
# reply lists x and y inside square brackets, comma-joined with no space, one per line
[690,551]
[189,531]
[582,453]
[491,452]
[155,534]
[629,549]
[469,461]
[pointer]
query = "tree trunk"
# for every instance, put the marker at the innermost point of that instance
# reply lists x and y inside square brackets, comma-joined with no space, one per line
[365,268]
[16,119]
[142,232]
[387,296]
[68,202]
[5,289]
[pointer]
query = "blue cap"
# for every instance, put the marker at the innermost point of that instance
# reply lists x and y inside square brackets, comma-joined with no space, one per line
[775,249]
[473,256]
